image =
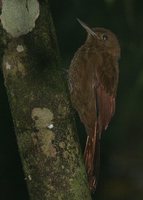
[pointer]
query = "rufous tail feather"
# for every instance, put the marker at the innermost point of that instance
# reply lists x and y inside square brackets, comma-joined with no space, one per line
[92,158]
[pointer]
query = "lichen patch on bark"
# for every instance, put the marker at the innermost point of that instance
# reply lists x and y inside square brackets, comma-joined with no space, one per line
[15,68]
[42,118]
[47,147]
[62,145]
[7,66]
[14,60]
[18,17]
[20,48]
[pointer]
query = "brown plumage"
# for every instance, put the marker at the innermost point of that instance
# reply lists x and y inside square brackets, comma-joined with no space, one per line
[93,80]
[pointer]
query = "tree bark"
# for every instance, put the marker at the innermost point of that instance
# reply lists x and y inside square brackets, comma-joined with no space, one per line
[43,122]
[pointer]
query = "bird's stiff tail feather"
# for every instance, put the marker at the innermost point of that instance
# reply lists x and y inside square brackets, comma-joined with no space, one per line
[92,158]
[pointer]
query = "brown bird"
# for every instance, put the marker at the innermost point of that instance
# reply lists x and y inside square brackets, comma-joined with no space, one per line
[93,80]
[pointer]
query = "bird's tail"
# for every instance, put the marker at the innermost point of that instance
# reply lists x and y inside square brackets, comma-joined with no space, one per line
[92,158]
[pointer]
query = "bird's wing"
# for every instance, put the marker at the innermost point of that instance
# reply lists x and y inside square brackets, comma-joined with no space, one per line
[82,85]
[107,79]
[104,97]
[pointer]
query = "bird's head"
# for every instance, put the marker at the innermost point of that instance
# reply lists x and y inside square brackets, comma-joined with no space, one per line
[102,38]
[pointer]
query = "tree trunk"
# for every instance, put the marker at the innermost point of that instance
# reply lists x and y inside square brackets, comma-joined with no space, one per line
[43,122]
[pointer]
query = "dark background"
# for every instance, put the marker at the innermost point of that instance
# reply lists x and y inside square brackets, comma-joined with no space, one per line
[121,175]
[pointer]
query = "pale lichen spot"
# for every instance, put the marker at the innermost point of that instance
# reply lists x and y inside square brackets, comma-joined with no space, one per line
[20,48]
[71,179]
[14,65]
[63,110]
[34,139]
[50,126]
[8,66]
[65,154]
[29,178]
[42,117]
[47,137]
[21,68]
[62,145]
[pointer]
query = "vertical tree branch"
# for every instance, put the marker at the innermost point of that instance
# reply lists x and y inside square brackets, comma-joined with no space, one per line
[40,109]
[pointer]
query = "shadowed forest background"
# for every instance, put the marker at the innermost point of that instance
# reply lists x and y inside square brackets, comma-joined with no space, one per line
[121,174]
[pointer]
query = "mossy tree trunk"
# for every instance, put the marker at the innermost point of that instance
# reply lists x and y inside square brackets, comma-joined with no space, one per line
[44,127]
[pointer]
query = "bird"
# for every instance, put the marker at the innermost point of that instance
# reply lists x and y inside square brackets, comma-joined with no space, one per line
[93,80]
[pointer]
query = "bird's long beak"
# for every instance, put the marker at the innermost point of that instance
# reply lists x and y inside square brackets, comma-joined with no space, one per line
[89,30]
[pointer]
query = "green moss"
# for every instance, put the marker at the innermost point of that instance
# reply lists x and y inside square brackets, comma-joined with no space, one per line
[80,181]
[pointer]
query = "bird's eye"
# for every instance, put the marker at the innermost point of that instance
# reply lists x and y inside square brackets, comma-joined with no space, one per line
[104,37]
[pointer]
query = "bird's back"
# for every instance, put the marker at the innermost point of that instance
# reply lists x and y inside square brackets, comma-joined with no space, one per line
[93,78]
[82,83]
